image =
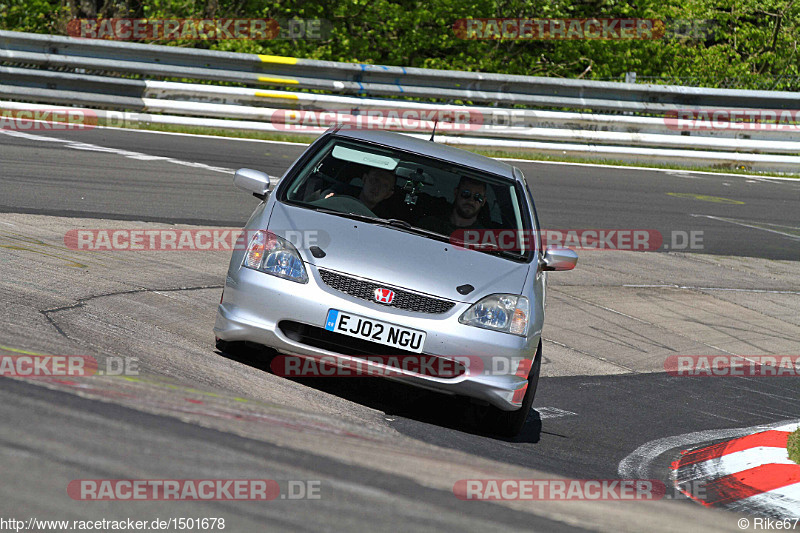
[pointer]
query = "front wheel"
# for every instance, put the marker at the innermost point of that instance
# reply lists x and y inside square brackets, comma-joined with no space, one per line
[510,423]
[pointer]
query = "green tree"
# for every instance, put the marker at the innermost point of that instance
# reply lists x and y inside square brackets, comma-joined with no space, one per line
[736,43]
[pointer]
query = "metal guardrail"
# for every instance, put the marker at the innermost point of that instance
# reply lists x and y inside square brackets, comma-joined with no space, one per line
[366,79]
[779,163]
[150,91]
[71,71]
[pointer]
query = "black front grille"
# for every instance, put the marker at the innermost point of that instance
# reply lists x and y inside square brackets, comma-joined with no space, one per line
[365,290]
[331,341]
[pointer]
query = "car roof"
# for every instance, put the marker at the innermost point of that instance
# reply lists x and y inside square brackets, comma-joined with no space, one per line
[430,149]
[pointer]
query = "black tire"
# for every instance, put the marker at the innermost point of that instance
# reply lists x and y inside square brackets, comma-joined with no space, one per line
[221,345]
[249,353]
[510,423]
[233,348]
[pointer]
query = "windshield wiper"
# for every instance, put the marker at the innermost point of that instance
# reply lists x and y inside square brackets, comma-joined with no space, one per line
[505,253]
[354,216]
[393,222]
[489,248]
[402,224]
[407,226]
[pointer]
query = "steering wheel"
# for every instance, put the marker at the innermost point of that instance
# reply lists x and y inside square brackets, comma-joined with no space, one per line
[345,204]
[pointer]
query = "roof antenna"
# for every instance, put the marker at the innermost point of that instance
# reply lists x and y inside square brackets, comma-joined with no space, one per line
[434,129]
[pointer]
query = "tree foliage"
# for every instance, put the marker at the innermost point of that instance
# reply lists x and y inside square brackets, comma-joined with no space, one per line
[733,43]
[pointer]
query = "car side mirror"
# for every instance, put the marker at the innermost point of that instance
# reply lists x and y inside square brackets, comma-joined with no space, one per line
[253,181]
[558,259]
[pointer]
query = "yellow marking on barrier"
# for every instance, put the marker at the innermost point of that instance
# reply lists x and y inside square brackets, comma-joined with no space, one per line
[704,198]
[265,94]
[281,60]
[286,81]
[15,350]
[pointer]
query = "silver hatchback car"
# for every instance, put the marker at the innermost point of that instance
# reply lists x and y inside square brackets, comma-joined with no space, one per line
[402,258]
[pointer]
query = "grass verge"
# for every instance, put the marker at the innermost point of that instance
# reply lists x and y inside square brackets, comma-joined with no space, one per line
[794,446]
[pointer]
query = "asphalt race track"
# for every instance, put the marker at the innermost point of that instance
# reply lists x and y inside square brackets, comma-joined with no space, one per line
[385,456]
[567,196]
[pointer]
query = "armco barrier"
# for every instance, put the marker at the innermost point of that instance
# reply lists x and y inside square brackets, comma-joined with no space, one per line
[122,76]
[367,79]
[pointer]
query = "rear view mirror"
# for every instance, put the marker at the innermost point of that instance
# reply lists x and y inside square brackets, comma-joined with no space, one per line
[253,181]
[559,259]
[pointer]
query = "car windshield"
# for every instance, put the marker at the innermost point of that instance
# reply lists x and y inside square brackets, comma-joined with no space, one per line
[434,198]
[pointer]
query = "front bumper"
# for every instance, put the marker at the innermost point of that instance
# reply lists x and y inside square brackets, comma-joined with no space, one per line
[255,303]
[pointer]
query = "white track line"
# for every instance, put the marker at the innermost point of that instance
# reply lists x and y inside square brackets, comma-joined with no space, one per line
[125,153]
[553,412]
[733,221]
[690,287]
[672,171]
[666,170]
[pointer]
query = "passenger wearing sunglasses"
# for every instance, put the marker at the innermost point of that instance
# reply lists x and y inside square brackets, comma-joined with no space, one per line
[470,197]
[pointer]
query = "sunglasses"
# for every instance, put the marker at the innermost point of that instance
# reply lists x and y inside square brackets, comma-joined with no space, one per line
[478,197]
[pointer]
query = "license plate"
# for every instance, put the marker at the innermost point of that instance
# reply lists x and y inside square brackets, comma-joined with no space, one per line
[375,330]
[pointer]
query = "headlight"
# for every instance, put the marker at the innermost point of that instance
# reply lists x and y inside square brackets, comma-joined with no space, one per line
[274,255]
[499,312]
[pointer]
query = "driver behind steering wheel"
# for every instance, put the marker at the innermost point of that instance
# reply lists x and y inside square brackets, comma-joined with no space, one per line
[378,186]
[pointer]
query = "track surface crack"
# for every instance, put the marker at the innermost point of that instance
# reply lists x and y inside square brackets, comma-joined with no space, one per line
[82,301]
